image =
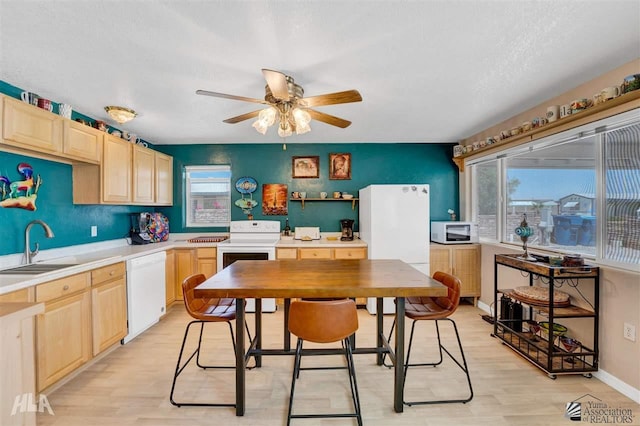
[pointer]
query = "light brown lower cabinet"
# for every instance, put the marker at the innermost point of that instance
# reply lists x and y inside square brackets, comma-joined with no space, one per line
[206,261]
[170,277]
[185,265]
[108,306]
[328,253]
[63,332]
[463,261]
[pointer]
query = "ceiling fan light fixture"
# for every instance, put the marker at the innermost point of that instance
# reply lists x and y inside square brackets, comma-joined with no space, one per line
[266,118]
[120,114]
[284,129]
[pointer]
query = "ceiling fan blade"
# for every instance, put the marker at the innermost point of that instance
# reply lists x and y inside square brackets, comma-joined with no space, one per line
[277,83]
[234,97]
[242,117]
[329,119]
[331,99]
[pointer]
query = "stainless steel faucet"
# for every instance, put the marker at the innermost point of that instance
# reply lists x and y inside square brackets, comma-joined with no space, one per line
[28,254]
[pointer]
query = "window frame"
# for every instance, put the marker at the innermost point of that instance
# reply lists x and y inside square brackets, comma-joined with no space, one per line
[598,129]
[187,182]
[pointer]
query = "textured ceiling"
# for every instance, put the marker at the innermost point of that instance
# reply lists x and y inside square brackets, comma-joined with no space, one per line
[428,71]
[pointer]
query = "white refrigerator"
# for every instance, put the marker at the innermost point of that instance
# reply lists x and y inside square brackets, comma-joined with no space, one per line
[394,222]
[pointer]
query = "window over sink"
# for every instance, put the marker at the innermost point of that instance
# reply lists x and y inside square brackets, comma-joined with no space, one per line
[207,195]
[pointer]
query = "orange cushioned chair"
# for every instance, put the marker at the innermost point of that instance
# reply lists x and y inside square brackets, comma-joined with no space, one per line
[436,309]
[203,311]
[324,321]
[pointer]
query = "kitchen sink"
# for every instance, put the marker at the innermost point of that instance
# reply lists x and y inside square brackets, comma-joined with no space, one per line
[36,268]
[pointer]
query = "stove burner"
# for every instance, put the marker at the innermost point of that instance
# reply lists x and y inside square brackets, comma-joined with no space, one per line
[206,239]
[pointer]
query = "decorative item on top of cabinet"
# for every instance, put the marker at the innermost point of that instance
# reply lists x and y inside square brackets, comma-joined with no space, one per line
[463,261]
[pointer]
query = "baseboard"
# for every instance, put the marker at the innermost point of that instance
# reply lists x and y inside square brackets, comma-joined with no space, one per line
[606,378]
[617,384]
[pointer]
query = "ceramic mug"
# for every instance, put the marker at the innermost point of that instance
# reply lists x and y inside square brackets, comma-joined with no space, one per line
[64,110]
[337,194]
[457,150]
[553,113]
[565,111]
[303,194]
[45,104]
[323,195]
[631,83]
[133,138]
[597,99]
[610,92]
[526,126]
[125,135]
[295,194]
[30,98]
[579,105]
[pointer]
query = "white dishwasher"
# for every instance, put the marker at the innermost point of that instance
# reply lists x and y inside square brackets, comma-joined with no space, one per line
[146,292]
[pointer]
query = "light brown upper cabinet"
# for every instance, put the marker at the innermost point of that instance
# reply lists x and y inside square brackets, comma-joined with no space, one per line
[82,142]
[164,179]
[28,127]
[143,175]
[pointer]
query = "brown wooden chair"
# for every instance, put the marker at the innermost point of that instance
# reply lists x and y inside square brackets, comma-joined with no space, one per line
[436,309]
[203,311]
[324,321]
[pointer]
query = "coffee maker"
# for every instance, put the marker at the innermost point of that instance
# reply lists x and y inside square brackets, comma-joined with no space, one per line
[139,224]
[346,225]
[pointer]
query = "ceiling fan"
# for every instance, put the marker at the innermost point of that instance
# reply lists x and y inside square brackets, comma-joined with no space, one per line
[286,103]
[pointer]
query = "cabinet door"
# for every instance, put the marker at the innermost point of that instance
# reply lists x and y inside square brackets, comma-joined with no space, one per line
[116,171]
[82,142]
[63,337]
[185,266]
[164,179]
[206,263]
[170,280]
[440,259]
[27,126]
[109,314]
[143,175]
[467,268]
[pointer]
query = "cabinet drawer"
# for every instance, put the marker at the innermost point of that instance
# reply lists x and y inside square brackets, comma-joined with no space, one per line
[350,253]
[107,273]
[315,253]
[62,287]
[24,295]
[207,252]
[286,253]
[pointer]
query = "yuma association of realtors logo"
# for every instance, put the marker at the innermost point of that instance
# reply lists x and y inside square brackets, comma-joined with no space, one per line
[595,411]
[25,403]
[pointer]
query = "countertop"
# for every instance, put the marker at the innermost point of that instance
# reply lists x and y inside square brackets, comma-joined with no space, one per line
[91,256]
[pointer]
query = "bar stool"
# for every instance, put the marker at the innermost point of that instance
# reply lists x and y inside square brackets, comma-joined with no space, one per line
[203,311]
[436,309]
[325,321]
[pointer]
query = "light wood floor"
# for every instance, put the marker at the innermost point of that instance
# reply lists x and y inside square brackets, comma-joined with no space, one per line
[131,385]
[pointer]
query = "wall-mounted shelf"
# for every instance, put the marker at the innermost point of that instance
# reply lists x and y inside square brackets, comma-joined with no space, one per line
[303,200]
[617,105]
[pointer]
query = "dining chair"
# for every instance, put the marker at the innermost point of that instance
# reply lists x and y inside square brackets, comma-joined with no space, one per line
[203,311]
[324,321]
[436,309]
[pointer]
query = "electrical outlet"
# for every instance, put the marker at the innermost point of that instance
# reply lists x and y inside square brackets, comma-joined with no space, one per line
[94,231]
[629,332]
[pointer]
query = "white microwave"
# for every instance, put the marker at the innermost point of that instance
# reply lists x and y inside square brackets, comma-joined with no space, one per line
[454,232]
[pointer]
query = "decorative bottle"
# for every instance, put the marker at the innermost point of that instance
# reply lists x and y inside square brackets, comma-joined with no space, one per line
[287,229]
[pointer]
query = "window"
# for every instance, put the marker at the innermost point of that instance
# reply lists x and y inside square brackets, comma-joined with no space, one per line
[580,191]
[208,196]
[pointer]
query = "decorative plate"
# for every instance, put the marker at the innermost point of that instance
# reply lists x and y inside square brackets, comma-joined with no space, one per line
[246,203]
[246,185]
[158,227]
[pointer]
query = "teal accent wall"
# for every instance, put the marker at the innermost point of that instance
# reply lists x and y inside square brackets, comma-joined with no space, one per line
[269,163]
[70,223]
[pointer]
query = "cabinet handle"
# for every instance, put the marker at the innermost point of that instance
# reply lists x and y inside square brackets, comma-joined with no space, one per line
[66,287]
[111,272]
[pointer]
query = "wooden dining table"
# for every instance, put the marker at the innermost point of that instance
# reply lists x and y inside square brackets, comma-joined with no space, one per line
[289,279]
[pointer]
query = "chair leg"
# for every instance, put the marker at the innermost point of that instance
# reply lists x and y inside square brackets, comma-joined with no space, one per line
[384,355]
[346,343]
[463,366]
[424,364]
[180,368]
[233,341]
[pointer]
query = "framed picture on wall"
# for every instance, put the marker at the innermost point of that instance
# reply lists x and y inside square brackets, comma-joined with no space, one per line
[274,199]
[305,167]
[340,166]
